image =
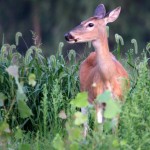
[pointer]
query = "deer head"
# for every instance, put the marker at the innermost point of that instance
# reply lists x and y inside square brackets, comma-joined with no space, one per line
[92,28]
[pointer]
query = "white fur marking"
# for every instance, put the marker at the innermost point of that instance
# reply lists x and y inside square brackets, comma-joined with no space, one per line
[100,115]
[94,84]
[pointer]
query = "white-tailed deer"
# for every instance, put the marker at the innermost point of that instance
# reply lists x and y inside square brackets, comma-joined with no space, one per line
[100,71]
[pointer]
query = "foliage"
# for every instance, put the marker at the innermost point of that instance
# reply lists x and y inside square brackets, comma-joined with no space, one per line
[40,103]
[80,100]
[112,107]
[34,89]
[135,120]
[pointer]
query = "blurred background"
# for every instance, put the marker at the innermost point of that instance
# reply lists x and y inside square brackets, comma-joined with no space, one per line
[51,19]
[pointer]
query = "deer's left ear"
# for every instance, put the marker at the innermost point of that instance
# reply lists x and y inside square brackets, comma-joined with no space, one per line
[113,15]
[100,11]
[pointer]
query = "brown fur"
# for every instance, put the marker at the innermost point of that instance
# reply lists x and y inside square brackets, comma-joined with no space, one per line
[89,74]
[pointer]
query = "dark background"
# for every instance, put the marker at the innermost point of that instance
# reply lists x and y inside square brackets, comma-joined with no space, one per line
[51,19]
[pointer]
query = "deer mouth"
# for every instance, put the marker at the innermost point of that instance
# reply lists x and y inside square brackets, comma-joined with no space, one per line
[70,38]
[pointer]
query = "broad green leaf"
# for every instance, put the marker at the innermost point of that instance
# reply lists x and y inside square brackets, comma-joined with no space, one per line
[115,143]
[74,132]
[13,70]
[123,142]
[80,118]
[24,110]
[81,100]
[112,109]
[58,143]
[31,79]
[25,147]
[74,146]
[2,98]
[103,98]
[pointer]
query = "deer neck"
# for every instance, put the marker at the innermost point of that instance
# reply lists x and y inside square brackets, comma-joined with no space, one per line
[102,48]
[104,59]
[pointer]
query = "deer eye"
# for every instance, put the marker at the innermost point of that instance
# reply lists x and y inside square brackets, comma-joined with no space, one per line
[90,25]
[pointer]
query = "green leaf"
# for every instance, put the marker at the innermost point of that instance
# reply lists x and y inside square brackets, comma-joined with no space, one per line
[81,100]
[123,142]
[58,143]
[115,143]
[24,110]
[74,146]
[25,147]
[112,109]
[2,98]
[103,98]
[31,79]
[74,132]
[80,118]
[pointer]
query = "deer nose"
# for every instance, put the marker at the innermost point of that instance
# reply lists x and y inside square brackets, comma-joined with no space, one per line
[68,37]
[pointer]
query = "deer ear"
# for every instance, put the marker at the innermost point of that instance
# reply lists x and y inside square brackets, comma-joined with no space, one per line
[113,15]
[100,11]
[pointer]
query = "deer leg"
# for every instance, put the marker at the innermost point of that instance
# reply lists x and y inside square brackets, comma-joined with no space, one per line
[85,111]
[99,113]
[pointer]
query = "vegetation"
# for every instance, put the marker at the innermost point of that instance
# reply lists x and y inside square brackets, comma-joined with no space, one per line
[40,102]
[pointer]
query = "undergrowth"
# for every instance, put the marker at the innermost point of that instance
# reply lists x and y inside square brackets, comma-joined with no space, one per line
[39,108]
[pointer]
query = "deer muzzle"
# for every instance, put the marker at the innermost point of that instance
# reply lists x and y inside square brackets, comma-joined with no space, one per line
[70,38]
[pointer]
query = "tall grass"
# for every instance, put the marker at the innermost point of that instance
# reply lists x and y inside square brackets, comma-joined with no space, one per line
[36,84]
[36,105]
[135,119]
